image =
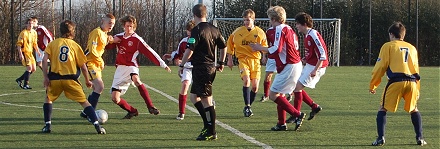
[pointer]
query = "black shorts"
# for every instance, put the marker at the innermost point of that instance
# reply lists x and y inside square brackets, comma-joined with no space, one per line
[203,76]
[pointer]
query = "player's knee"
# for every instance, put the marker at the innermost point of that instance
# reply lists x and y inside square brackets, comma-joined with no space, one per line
[185,83]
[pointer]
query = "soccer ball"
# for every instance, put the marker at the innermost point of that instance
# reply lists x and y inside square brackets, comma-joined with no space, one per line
[102,116]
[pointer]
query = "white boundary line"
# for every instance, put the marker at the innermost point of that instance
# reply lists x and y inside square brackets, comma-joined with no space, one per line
[225,126]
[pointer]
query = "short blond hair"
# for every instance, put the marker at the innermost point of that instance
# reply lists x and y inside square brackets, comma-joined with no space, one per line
[277,13]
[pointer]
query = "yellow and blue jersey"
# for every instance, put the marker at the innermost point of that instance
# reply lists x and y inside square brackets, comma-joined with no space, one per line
[96,43]
[66,58]
[399,60]
[27,40]
[239,40]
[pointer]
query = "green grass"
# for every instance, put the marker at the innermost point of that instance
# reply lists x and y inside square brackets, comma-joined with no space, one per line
[347,119]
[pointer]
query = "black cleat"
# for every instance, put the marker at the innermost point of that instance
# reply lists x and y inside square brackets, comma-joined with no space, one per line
[379,141]
[27,87]
[421,142]
[247,111]
[291,119]
[180,116]
[314,112]
[20,84]
[279,127]
[264,98]
[46,129]
[153,110]
[206,136]
[100,129]
[299,121]
[130,115]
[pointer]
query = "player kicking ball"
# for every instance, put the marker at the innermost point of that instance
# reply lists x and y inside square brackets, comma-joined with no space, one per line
[129,45]
[66,58]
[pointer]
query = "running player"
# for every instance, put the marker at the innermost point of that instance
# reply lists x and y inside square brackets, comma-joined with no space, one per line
[96,43]
[399,60]
[67,58]
[26,44]
[248,60]
[185,76]
[285,51]
[127,71]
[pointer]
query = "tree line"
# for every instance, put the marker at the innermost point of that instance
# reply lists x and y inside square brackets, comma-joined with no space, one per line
[354,15]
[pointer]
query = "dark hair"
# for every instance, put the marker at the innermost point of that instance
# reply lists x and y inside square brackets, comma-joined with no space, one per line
[398,30]
[304,19]
[249,12]
[67,29]
[190,25]
[199,10]
[128,18]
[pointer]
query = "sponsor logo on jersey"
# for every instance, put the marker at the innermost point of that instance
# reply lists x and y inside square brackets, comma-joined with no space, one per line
[191,40]
[130,43]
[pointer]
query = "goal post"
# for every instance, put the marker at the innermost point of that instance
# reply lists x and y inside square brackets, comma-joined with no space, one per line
[330,29]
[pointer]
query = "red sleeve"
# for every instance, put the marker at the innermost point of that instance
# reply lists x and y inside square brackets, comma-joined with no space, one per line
[146,50]
[110,46]
[180,51]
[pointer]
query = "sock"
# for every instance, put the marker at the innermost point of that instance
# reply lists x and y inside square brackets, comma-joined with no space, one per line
[26,77]
[266,88]
[202,113]
[93,99]
[127,107]
[381,120]
[246,95]
[252,96]
[308,100]
[47,110]
[182,103]
[281,115]
[210,117]
[297,101]
[90,112]
[23,75]
[144,93]
[416,119]
[285,105]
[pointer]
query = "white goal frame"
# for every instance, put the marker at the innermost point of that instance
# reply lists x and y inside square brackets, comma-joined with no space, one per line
[333,45]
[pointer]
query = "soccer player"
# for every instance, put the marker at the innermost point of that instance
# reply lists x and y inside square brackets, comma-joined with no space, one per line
[399,60]
[67,58]
[26,43]
[284,49]
[202,44]
[248,60]
[127,71]
[270,70]
[96,43]
[316,60]
[44,37]
[185,76]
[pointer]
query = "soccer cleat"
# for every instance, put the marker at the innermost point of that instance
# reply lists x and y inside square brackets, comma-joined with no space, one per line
[46,129]
[206,136]
[83,115]
[289,97]
[130,115]
[299,121]
[20,84]
[279,127]
[314,112]
[291,119]
[100,129]
[264,98]
[380,141]
[247,111]
[180,116]
[27,87]
[421,142]
[153,110]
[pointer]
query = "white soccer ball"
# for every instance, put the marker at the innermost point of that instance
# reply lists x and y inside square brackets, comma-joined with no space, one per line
[102,116]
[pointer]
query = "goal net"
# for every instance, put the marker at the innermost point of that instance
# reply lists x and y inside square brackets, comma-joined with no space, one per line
[330,30]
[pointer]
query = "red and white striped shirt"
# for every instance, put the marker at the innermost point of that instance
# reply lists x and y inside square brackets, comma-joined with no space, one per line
[283,46]
[44,37]
[315,48]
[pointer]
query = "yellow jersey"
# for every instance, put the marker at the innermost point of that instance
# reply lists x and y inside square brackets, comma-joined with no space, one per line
[27,40]
[66,57]
[239,40]
[399,60]
[96,43]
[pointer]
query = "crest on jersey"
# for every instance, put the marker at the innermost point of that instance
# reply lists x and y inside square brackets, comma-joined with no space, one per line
[191,40]
[130,43]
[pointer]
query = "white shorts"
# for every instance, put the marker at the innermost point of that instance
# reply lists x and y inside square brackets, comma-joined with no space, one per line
[187,72]
[307,80]
[39,58]
[285,81]
[122,77]
[271,65]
